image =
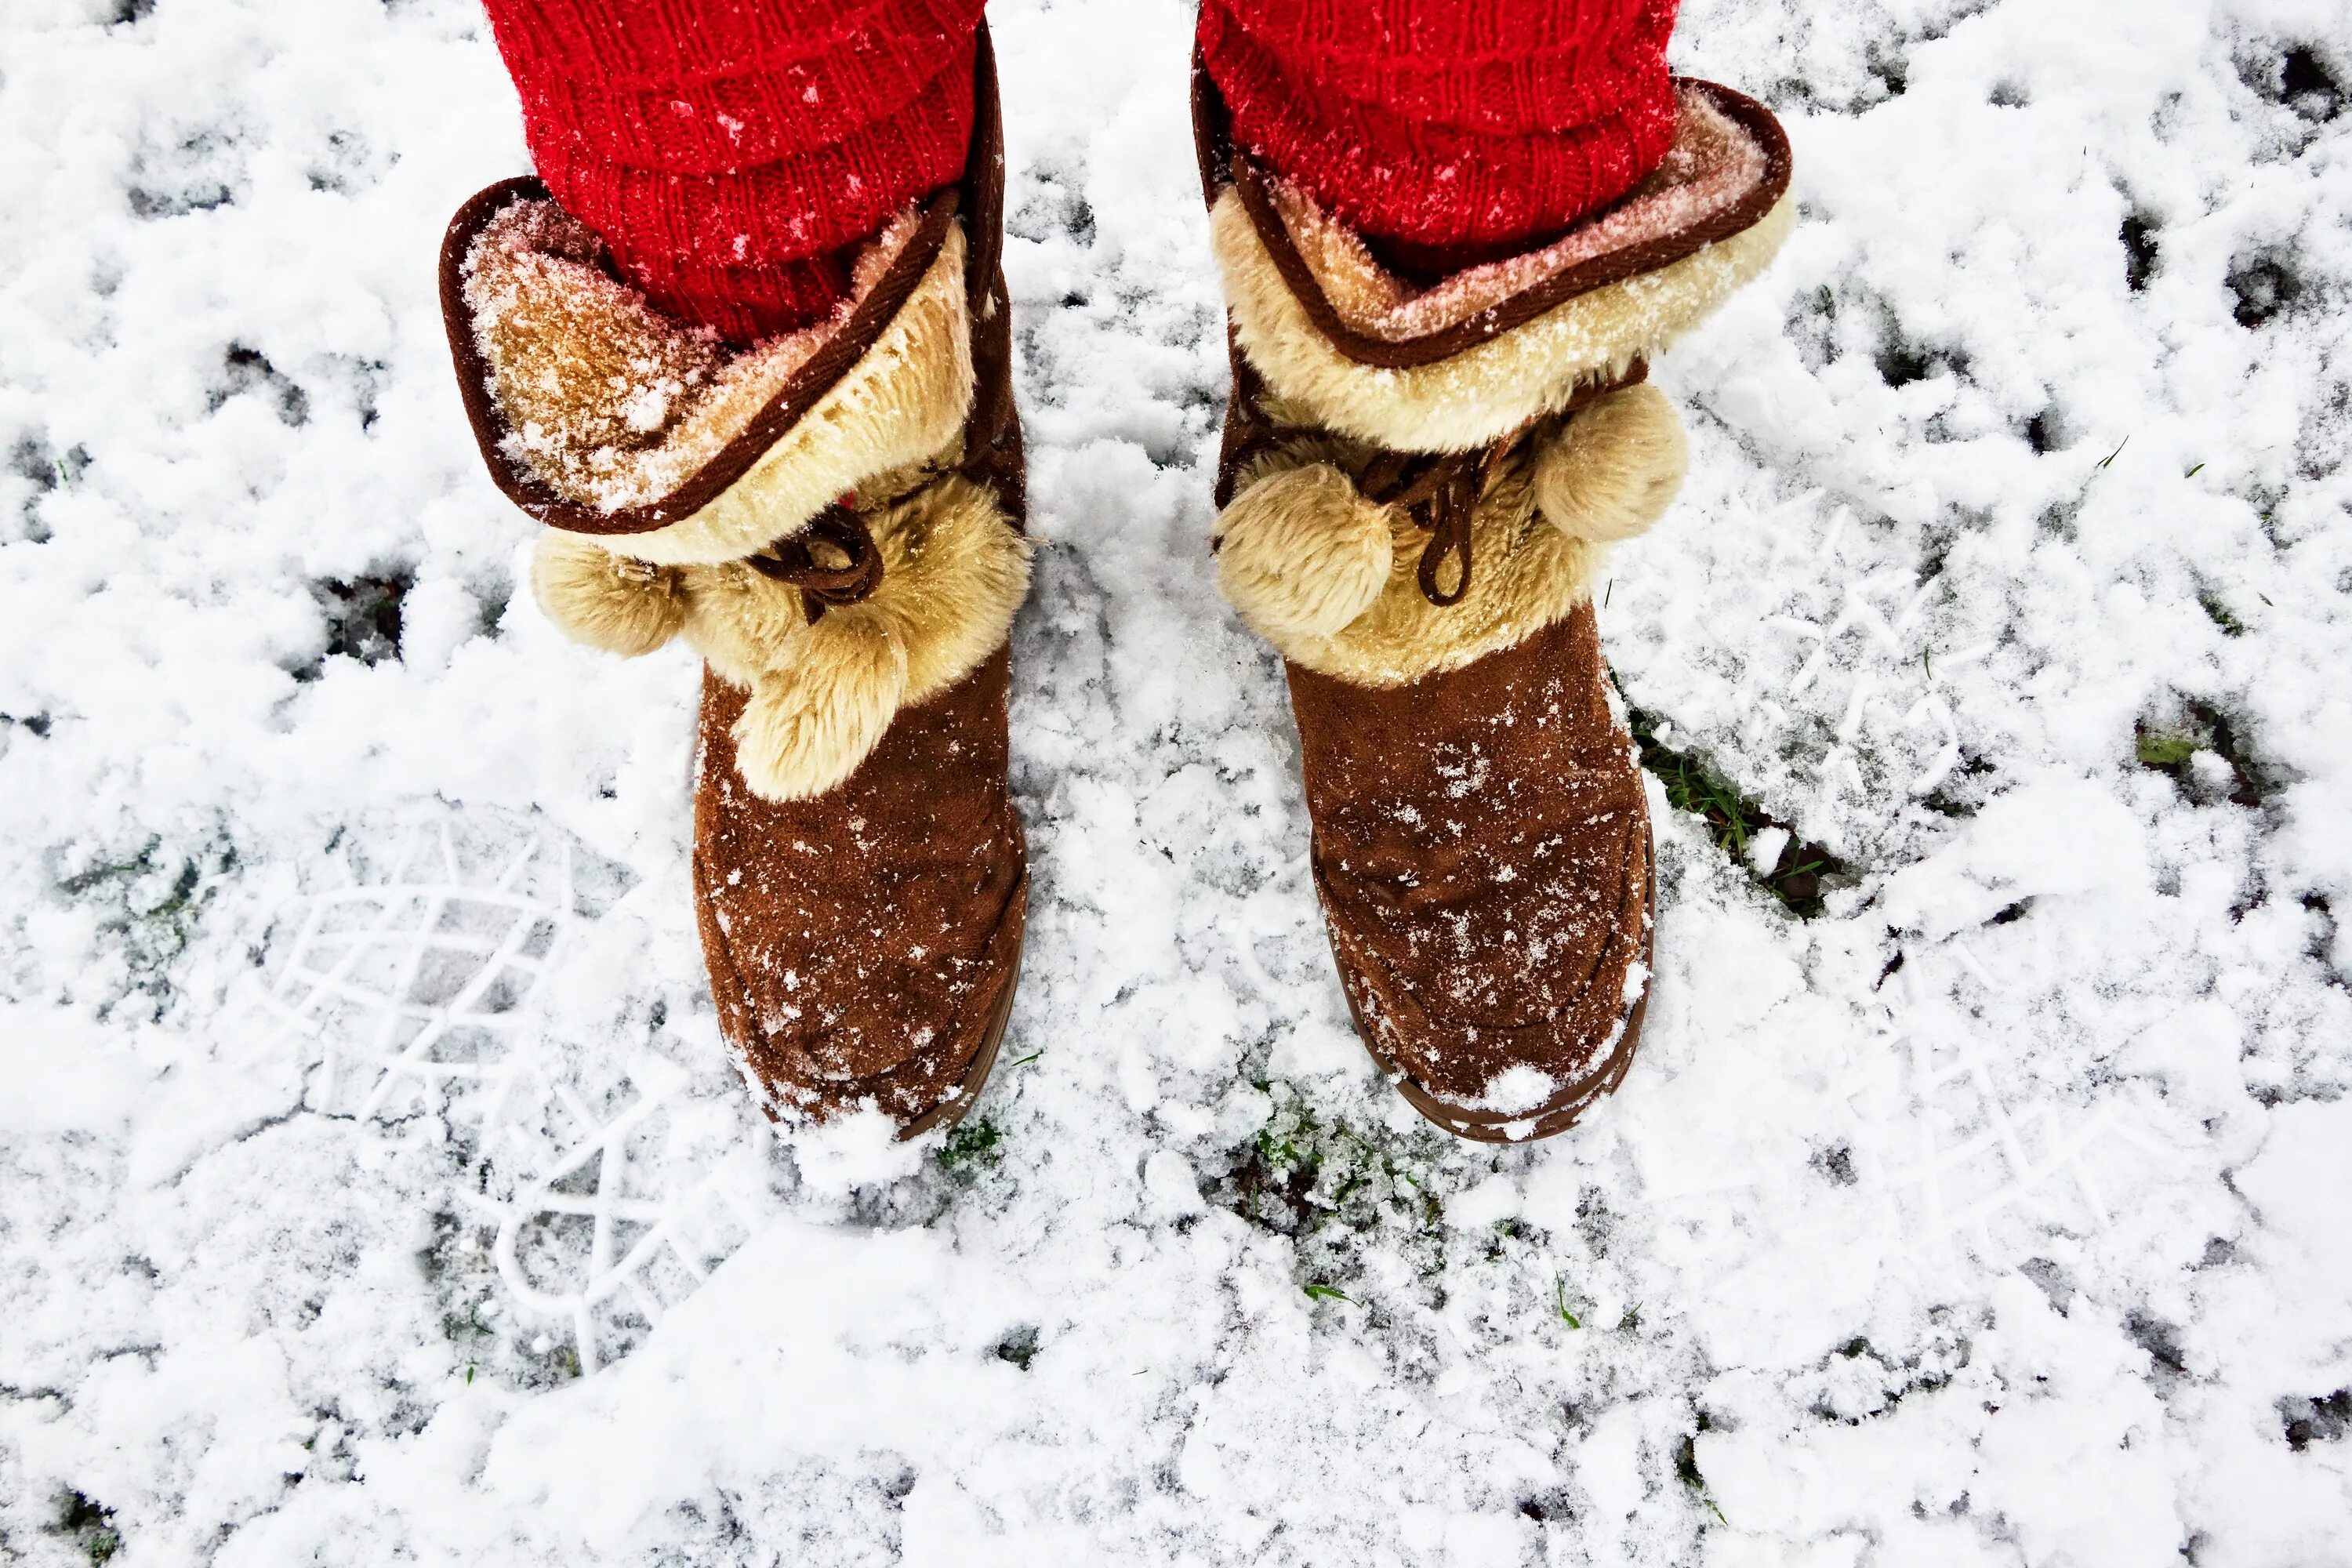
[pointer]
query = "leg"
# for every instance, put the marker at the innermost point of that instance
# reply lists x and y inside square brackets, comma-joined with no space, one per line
[732,151]
[1448,131]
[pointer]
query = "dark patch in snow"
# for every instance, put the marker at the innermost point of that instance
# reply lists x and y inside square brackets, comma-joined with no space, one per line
[1342,1191]
[2055,1284]
[364,379]
[2295,76]
[1964,793]
[970,1148]
[1900,361]
[197,173]
[1688,1472]
[2161,1341]
[2172,745]
[2265,287]
[2220,614]
[245,369]
[90,1525]
[149,903]
[2140,250]
[2308,87]
[347,163]
[48,472]
[2049,431]
[33,459]
[2321,947]
[2326,1419]
[362,617]
[1859,1382]
[1889,68]
[1939,534]
[1054,207]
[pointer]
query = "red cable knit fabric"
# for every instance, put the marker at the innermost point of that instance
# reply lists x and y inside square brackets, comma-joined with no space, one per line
[731,151]
[1456,128]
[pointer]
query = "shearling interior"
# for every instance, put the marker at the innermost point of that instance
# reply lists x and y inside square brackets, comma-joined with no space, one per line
[1711,165]
[611,404]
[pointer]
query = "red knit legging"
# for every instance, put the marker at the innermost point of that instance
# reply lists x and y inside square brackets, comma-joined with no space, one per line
[733,152]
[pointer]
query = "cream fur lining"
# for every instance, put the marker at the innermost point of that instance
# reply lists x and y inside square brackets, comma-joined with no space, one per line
[954,571]
[613,406]
[1492,388]
[1713,164]
[1329,578]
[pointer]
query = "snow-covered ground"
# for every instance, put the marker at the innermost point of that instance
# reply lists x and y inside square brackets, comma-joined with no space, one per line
[373,1188]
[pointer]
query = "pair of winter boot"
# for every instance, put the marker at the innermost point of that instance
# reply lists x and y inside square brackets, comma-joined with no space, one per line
[1420,477]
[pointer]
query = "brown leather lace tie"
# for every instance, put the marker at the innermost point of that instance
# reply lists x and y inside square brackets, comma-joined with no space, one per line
[822,587]
[1441,494]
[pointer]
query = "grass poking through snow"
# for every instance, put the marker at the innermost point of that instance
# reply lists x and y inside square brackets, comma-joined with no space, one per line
[970,1148]
[2171,747]
[1800,874]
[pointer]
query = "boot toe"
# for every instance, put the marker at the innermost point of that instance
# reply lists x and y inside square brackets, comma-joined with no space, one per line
[864,946]
[1518,1042]
[913,1040]
[1483,857]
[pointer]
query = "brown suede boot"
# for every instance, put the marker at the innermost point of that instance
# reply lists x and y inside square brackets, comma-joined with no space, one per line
[834,520]
[1419,484]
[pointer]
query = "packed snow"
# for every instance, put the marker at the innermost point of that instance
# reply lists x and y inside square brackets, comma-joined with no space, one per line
[373,1186]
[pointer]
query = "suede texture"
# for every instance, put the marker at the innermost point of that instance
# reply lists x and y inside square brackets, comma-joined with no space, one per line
[863,947]
[1482,852]
[861,881]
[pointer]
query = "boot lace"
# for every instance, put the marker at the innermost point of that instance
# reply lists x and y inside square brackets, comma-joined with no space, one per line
[823,584]
[1441,493]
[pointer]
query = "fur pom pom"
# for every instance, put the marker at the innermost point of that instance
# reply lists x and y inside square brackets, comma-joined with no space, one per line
[954,574]
[1301,553]
[742,624]
[1615,468]
[807,726]
[604,600]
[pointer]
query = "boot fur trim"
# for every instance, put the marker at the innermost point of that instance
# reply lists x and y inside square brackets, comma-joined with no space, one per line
[1300,552]
[602,417]
[1473,357]
[821,693]
[1488,390]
